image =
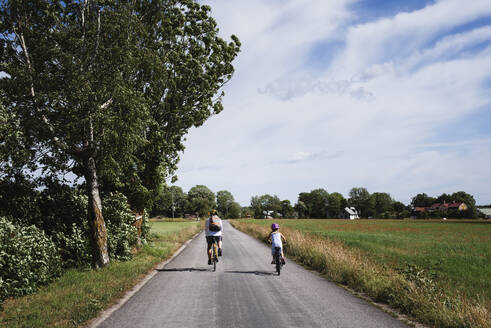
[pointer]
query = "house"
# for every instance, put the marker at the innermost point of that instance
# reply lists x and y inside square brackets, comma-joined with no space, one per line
[420,209]
[486,212]
[271,214]
[458,206]
[351,213]
[438,207]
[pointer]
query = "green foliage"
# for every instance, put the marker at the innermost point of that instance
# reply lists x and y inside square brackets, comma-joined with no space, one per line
[108,90]
[422,200]
[28,259]
[383,204]
[120,226]
[265,203]
[235,211]
[19,200]
[287,209]
[316,202]
[301,209]
[170,202]
[74,246]
[80,294]
[335,204]
[361,200]
[225,199]
[200,200]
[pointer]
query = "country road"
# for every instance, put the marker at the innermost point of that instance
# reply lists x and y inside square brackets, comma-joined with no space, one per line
[243,292]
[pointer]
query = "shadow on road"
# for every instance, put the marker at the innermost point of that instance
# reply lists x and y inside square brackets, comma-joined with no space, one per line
[258,273]
[184,269]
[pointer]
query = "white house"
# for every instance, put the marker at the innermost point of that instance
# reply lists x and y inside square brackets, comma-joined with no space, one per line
[351,213]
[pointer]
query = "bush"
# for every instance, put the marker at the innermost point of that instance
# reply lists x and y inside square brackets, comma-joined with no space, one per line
[120,226]
[74,246]
[28,259]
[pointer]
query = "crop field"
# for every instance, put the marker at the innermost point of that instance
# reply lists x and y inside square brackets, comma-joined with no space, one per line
[447,262]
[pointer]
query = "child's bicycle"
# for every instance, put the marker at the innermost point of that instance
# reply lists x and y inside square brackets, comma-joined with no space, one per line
[277,259]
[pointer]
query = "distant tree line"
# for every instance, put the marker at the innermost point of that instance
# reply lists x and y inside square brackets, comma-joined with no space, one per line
[199,200]
[318,203]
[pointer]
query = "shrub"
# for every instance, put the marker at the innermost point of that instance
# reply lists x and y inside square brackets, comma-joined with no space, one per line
[74,246]
[120,226]
[28,259]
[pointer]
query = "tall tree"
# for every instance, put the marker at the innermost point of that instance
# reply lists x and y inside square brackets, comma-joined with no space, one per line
[335,204]
[286,209]
[107,90]
[361,200]
[225,200]
[301,209]
[201,200]
[265,203]
[383,204]
[316,202]
[422,200]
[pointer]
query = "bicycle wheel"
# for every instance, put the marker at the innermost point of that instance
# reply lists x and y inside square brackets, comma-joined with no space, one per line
[278,263]
[214,256]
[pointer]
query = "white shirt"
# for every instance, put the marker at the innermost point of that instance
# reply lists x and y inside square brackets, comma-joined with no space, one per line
[276,240]
[208,232]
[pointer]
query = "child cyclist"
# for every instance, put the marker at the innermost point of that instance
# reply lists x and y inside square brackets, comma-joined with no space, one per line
[276,238]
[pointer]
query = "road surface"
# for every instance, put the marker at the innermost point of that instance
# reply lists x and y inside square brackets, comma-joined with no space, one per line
[243,292]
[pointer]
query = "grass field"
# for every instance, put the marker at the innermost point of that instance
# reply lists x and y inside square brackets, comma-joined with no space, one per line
[443,267]
[79,295]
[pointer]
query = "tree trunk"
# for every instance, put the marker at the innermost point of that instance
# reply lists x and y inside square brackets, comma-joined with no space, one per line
[98,231]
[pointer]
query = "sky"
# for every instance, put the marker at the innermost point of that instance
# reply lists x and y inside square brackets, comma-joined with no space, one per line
[390,95]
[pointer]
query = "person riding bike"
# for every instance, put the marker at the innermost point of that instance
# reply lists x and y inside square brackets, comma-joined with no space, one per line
[276,238]
[213,231]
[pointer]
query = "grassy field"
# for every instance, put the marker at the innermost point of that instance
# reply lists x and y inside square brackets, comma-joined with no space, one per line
[439,272]
[79,295]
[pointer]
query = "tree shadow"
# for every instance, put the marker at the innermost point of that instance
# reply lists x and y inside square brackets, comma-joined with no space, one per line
[257,273]
[185,270]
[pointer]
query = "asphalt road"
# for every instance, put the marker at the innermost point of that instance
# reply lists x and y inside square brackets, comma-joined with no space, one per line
[243,292]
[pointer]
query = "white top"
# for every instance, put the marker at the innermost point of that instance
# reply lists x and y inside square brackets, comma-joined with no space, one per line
[207,227]
[276,239]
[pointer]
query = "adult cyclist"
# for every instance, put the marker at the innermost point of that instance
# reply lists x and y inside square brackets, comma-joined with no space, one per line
[213,231]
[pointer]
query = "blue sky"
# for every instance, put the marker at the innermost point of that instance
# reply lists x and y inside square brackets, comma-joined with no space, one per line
[394,96]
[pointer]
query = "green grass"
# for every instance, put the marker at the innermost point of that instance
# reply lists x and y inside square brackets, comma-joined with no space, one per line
[79,295]
[438,272]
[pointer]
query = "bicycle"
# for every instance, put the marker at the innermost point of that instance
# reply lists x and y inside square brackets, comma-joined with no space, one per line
[277,259]
[214,253]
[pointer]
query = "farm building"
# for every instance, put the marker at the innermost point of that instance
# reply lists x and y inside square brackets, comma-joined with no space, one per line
[351,213]
[485,211]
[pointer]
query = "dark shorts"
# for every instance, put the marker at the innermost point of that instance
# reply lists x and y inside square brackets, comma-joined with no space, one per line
[209,239]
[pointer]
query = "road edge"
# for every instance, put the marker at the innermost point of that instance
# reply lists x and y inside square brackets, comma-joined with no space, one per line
[107,313]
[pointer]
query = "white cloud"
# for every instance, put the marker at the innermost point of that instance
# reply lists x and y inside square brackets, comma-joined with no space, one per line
[369,119]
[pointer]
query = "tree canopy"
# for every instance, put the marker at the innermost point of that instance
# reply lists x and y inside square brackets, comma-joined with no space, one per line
[200,200]
[107,90]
